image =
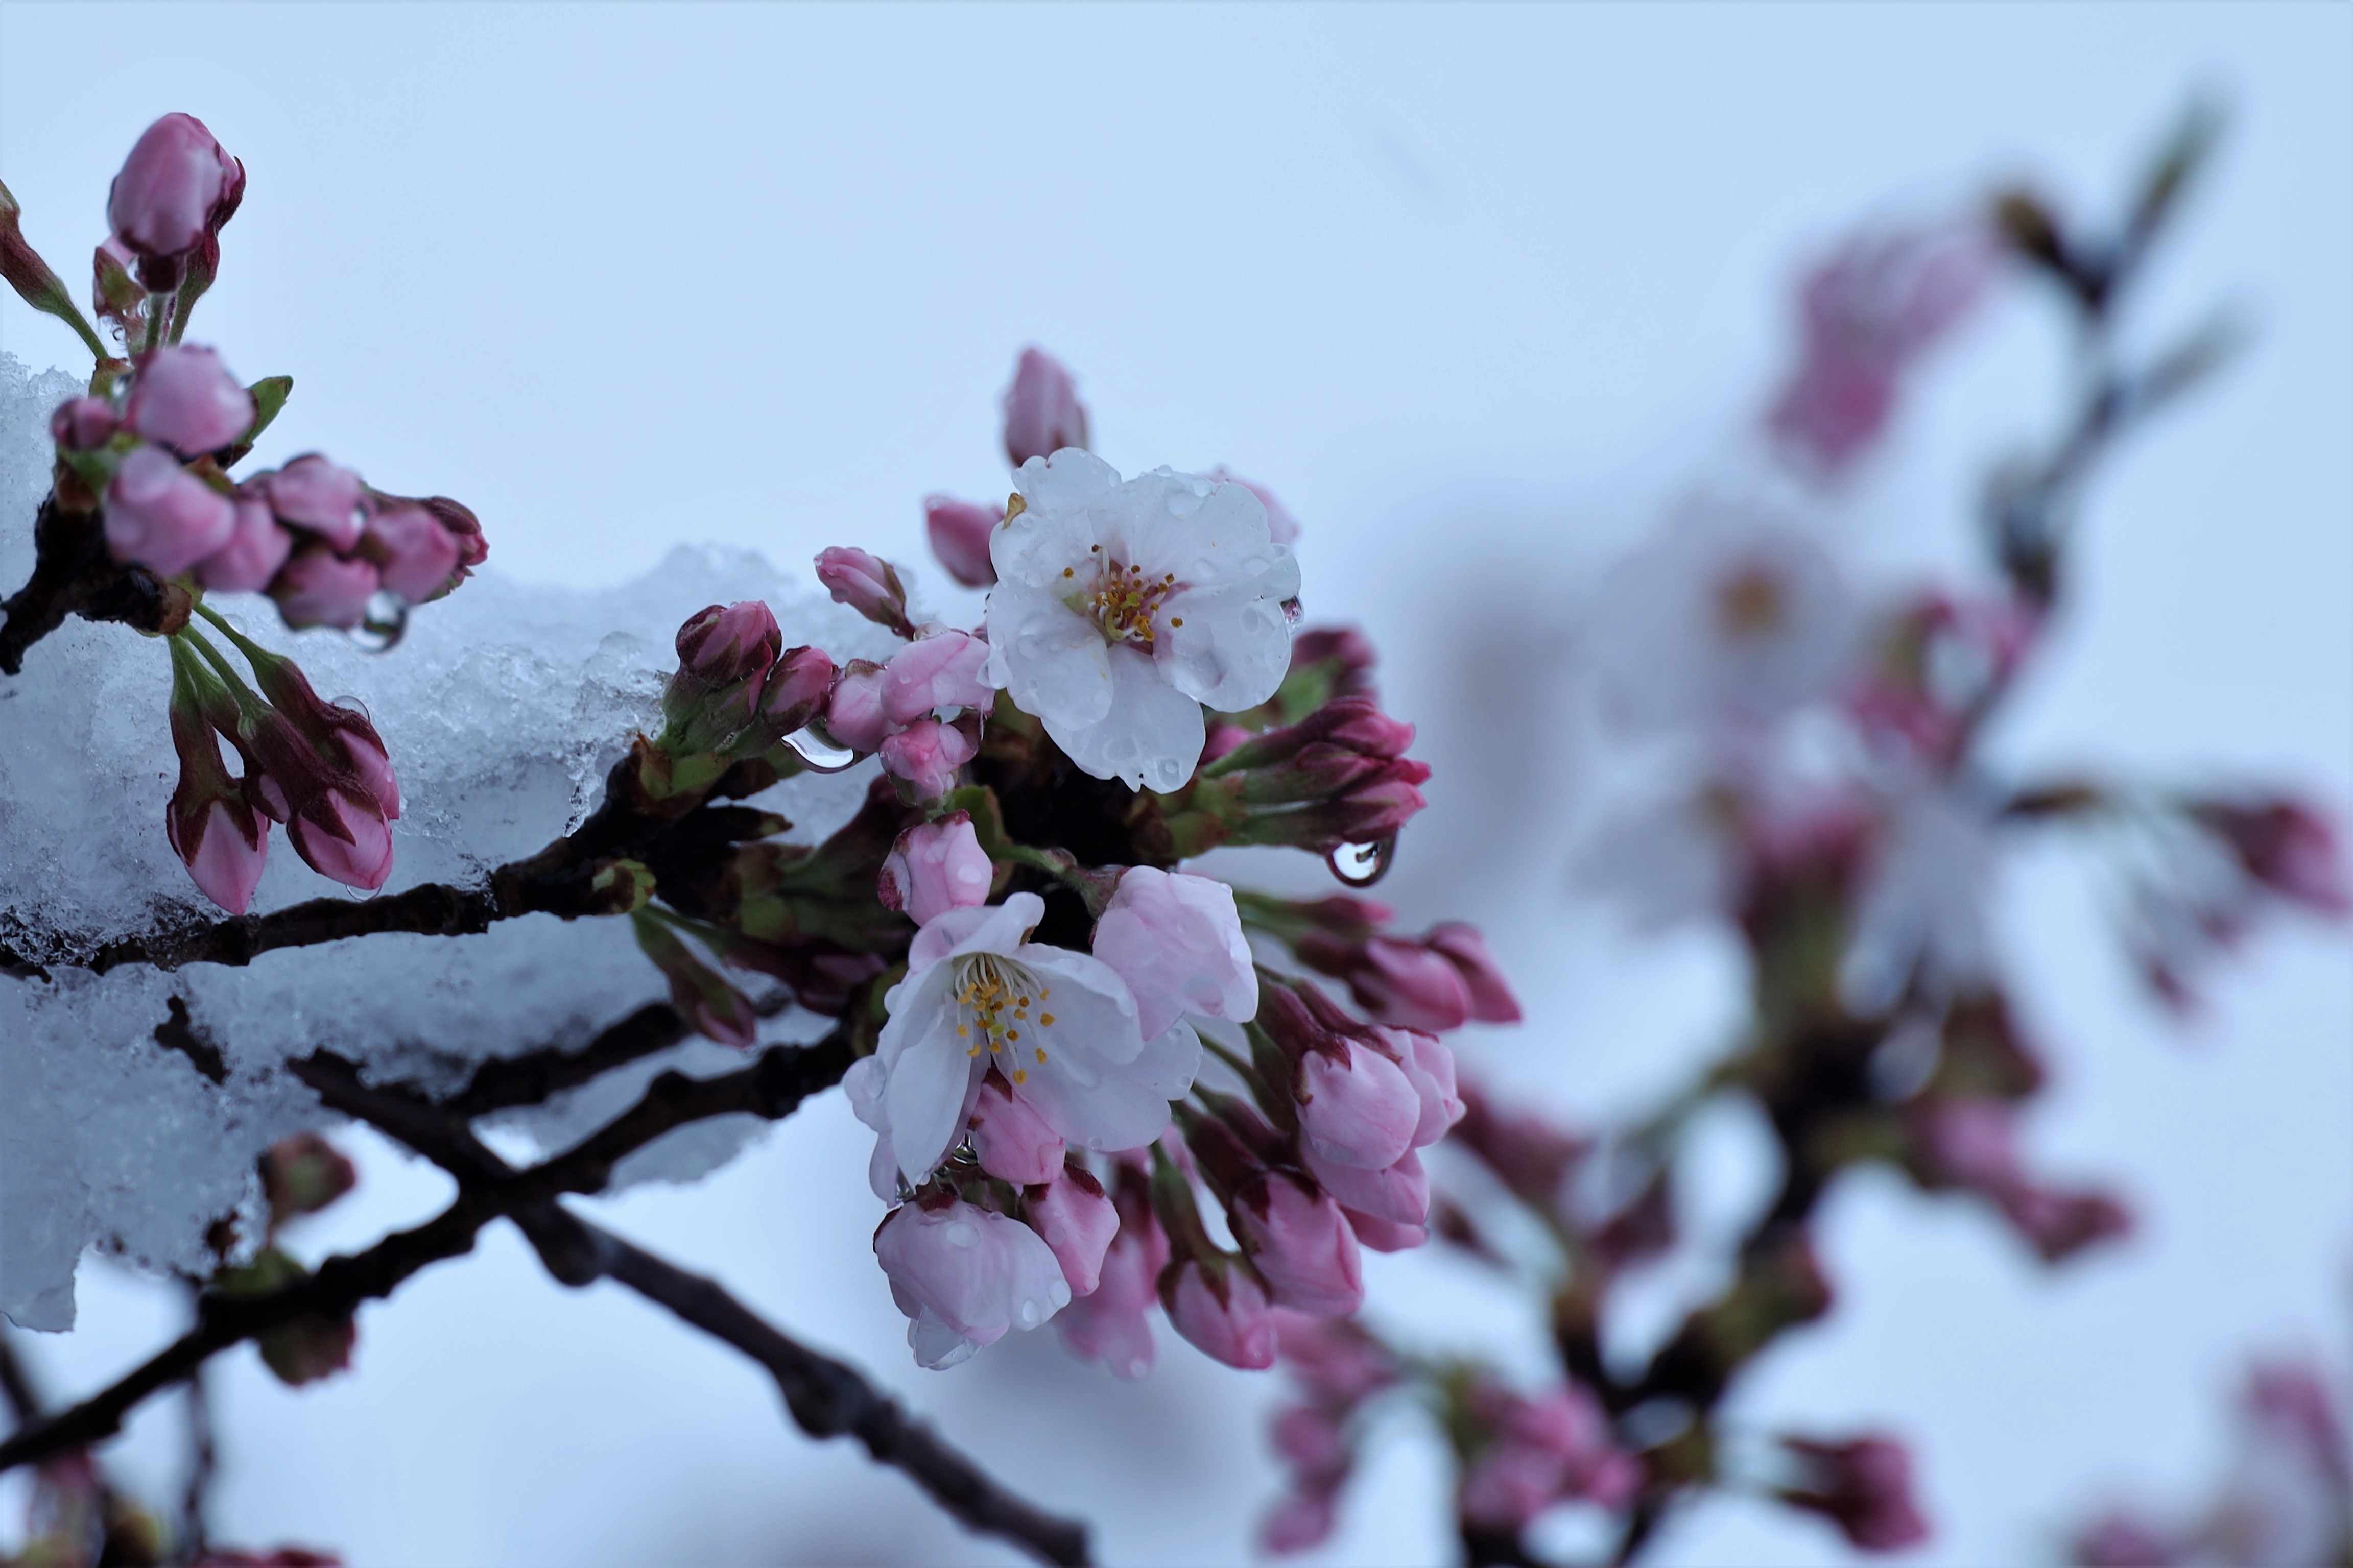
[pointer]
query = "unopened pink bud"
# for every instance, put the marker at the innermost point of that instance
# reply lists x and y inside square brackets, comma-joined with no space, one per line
[1301,1244]
[1112,1324]
[320,588]
[853,710]
[225,853]
[1228,1321]
[1386,1235]
[1077,1221]
[1864,1487]
[927,755]
[364,750]
[1407,985]
[1009,1138]
[1492,1001]
[1399,1194]
[936,867]
[343,837]
[1356,1107]
[186,399]
[1298,1520]
[83,425]
[727,642]
[415,555]
[160,516]
[867,584]
[1429,1067]
[256,550]
[960,531]
[1042,411]
[943,670]
[176,185]
[313,493]
[796,688]
[967,1276]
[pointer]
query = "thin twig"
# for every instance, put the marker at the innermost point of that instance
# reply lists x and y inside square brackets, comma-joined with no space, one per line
[827,1398]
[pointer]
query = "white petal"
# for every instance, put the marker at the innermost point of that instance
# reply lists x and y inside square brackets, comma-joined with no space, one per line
[925,1096]
[1234,648]
[1151,736]
[1051,659]
[1065,481]
[975,928]
[1093,1009]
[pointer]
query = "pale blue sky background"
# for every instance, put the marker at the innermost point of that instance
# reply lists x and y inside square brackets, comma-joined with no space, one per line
[1473,289]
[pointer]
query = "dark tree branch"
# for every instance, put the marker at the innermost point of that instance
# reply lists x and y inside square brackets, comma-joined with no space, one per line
[539,1077]
[773,1087]
[73,575]
[827,1398]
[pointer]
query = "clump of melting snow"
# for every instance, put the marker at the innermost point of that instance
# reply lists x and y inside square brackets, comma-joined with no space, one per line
[503,707]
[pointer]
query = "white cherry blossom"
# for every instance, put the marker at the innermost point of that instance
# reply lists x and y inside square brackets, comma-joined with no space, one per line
[1122,606]
[1060,1026]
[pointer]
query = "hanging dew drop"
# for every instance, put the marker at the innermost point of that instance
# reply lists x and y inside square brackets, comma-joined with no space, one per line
[817,753]
[387,618]
[1362,865]
[1291,613]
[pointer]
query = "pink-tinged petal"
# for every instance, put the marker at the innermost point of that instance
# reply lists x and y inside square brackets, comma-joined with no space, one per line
[936,867]
[185,398]
[1356,1107]
[170,187]
[415,555]
[312,493]
[319,588]
[1012,1142]
[959,532]
[256,548]
[1231,1325]
[348,842]
[1177,939]
[1302,1247]
[1042,411]
[939,671]
[1078,1221]
[160,516]
[225,864]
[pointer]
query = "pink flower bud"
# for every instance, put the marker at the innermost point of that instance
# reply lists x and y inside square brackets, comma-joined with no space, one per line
[1399,1194]
[1225,1316]
[160,516]
[796,688]
[319,588]
[1112,1324]
[1042,411]
[1386,1235]
[343,836]
[1492,1001]
[936,867]
[415,555]
[1301,1244]
[1011,1141]
[313,493]
[305,1174]
[1177,939]
[941,670]
[725,644]
[2286,846]
[1355,1107]
[225,849]
[853,710]
[1429,1067]
[1406,983]
[927,755]
[1298,1520]
[185,398]
[1864,1487]
[255,549]
[960,531]
[1308,1439]
[1077,1220]
[83,425]
[365,750]
[866,583]
[966,1277]
[176,185]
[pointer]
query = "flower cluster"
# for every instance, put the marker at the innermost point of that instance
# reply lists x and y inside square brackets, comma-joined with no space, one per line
[1833,803]
[143,468]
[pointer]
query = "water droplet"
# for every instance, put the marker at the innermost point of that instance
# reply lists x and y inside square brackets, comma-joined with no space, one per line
[387,619]
[1030,1316]
[1292,614]
[1362,865]
[818,755]
[962,1234]
[354,705]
